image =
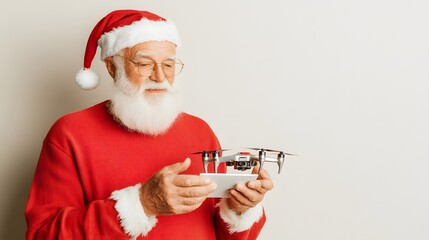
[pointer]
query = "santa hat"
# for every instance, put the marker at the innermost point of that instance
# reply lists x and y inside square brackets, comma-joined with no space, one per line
[121,29]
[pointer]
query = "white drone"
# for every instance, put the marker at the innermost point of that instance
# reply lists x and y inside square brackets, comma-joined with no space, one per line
[243,160]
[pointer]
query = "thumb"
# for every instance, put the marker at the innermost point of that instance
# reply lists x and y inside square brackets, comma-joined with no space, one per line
[256,168]
[177,167]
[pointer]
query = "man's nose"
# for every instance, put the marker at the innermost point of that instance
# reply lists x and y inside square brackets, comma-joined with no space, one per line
[157,74]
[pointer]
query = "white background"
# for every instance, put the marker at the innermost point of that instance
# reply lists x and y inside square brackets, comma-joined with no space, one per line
[342,83]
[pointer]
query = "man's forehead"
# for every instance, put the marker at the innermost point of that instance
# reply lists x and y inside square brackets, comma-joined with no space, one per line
[154,49]
[143,54]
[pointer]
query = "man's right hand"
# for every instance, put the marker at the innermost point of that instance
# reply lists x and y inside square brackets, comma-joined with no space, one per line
[167,192]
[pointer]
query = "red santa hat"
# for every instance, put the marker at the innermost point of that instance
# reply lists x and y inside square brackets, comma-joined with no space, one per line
[121,29]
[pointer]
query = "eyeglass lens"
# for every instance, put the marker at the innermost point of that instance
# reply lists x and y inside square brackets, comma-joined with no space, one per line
[146,66]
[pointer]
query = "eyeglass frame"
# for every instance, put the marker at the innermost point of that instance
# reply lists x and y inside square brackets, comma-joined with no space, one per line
[138,65]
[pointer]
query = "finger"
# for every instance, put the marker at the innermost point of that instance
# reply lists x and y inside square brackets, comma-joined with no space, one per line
[190,180]
[252,195]
[263,174]
[240,198]
[255,169]
[262,186]
[177,167]
[184,205]
[180,208]
[267,184]
[192,192]
[235,205]
[256,186]
[196,201]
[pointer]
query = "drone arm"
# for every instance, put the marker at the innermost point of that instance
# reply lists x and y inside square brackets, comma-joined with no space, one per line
[279,160]
[226,159]
[206,163]
[269,159]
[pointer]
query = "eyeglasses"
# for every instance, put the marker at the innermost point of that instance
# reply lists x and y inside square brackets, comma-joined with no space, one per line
[146,66]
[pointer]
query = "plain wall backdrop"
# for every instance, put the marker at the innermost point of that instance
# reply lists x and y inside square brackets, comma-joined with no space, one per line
[342,83]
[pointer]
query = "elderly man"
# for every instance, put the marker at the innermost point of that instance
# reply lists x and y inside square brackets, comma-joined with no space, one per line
[122,169]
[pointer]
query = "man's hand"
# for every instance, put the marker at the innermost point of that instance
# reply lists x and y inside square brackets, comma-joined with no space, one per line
[167,192]
[245,196]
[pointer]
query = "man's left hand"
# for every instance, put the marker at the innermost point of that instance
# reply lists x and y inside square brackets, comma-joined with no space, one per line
[247,195]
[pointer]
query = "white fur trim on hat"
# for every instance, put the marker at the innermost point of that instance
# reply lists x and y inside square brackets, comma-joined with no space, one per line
[236,222]
[144,30]
[133,219]
[87,79]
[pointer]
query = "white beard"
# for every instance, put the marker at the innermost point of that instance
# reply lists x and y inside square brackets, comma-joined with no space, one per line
[149,113]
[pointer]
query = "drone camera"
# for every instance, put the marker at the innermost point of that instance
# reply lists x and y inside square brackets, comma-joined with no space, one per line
[244,165]
[241,164]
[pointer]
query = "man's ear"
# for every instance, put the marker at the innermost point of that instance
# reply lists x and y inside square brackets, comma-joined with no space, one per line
[110,65]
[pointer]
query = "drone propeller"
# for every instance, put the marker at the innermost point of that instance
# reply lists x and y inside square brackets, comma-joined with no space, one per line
[265,149]
[272,150]
[211,151]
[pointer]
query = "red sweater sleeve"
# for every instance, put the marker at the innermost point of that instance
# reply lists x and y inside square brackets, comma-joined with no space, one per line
[222,232]
[57,208]
[222,228]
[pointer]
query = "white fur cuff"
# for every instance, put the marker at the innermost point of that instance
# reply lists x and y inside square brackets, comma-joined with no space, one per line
[236,222]
[131,214]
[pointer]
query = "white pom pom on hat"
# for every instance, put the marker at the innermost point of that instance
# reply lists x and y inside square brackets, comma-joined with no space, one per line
[121,29]
[87,79]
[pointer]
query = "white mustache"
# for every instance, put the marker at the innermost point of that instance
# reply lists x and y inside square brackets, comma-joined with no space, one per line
[156,85]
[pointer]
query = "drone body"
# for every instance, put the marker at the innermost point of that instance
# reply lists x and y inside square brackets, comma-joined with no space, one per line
[243,160]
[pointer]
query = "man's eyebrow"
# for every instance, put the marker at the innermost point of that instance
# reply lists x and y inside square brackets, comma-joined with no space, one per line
[146,55]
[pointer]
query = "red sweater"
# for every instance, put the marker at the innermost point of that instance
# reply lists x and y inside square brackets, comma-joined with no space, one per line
[87,155]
